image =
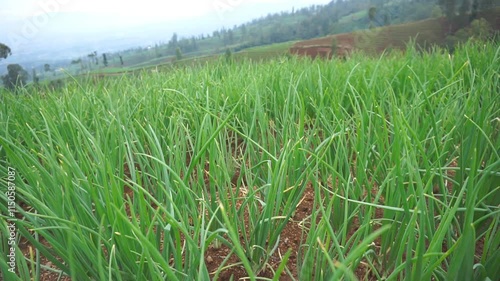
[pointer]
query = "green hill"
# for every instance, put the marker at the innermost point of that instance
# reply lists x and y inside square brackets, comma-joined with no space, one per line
[424,33]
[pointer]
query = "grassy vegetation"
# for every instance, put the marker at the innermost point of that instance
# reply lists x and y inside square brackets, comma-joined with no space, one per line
[265,52]
[133,178]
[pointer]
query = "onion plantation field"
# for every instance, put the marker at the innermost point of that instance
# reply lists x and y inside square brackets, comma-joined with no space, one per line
[382,168]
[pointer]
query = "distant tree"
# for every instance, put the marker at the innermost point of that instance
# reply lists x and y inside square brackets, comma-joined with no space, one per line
[16,77]
[372,12]
[480,29]
[228,55]
[121,60]
[194,45]
[230,36]
[78,61]
[173,41]
[46,69]
[465,7]
[474,9]
[35,76]
[244,31]
[178,53]
[93,57]
[225,37]
[4,51]
[104,60]
[487,4]
[449,7]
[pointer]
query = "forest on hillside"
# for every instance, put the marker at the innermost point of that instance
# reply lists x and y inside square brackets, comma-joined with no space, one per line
[321,20]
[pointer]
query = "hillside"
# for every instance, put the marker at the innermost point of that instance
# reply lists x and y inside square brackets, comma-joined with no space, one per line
[292,25]
[424,33]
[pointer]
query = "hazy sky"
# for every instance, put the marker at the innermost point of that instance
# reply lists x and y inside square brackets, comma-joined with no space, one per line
[33,25]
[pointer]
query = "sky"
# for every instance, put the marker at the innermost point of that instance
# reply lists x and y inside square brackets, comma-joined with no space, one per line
[45,27]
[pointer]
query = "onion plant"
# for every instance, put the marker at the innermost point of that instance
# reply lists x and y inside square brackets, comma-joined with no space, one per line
[137,177]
